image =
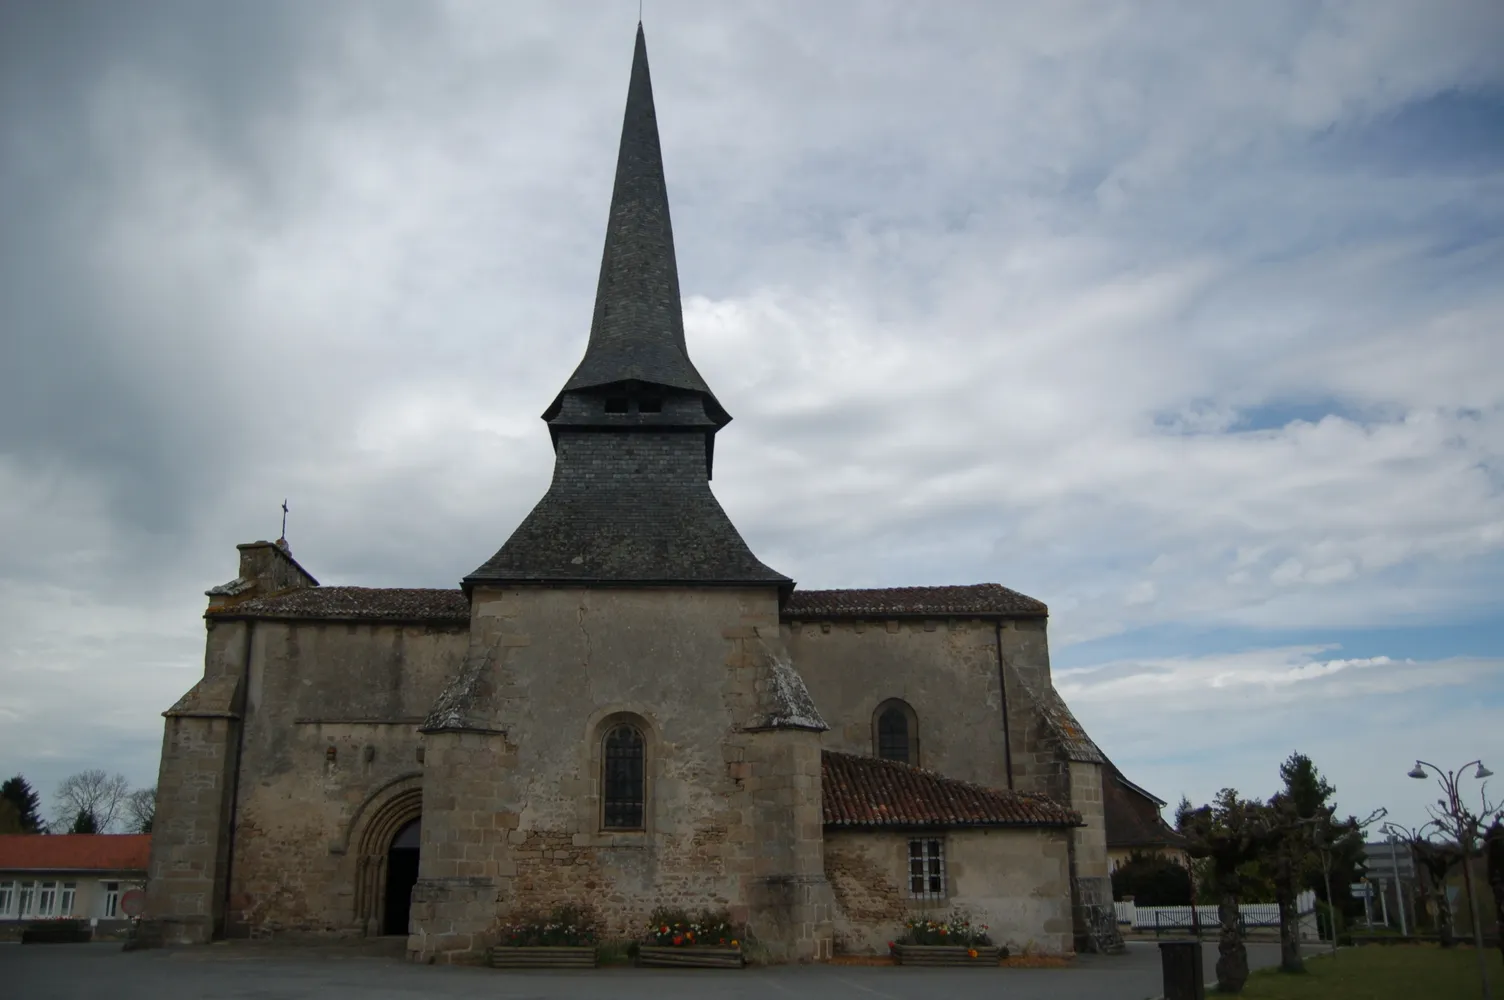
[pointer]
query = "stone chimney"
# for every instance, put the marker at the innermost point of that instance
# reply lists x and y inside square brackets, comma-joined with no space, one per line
[266,568]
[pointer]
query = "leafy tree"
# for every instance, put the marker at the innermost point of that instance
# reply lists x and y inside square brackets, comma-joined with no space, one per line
[1152,880]
[84,822]
[10,819]
[1234,834]
[1297,816]
[27,803]
[94,792]
[141,809]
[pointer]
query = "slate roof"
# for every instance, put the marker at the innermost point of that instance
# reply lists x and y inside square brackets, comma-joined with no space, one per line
[631,508]
[394,604]
[980,599]
[637,332]
[630,501]
[75,852]
[866,792]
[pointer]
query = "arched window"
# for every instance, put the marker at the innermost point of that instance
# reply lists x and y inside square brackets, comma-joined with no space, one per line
[896,735]
[622,783]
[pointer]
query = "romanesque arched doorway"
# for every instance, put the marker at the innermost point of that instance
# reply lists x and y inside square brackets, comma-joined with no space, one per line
[401,876]
[386,834]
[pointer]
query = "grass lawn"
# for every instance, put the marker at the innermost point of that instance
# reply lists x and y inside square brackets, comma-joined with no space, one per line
[1383,972]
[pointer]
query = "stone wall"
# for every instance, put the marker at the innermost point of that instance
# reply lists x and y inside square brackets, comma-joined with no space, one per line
[947,671]
[732,808]
[332,711]
[190,838]
[1038,763]
[1015,881]
[1095,921]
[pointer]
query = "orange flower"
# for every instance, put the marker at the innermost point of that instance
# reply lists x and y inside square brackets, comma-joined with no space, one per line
[735,942]
[691,936]
[971,953]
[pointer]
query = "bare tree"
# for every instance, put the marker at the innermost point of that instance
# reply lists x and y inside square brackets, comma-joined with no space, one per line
[100,795]
[1434,860]
[141,809]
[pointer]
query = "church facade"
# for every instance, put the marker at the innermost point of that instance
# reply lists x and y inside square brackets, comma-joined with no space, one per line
[624,707]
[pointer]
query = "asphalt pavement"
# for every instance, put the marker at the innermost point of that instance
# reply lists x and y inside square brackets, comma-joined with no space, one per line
[217,972]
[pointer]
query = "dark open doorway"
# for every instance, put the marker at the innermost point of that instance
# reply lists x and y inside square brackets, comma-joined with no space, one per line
[401,876]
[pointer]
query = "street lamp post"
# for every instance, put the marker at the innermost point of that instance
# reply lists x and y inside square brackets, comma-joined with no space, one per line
[1391,831]
[1463,823]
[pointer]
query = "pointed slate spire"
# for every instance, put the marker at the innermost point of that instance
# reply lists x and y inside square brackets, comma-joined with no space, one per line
[634,427]
[637,331]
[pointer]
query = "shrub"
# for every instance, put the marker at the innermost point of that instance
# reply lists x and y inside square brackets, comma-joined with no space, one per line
[674,928]
[570,925]
[1152,881]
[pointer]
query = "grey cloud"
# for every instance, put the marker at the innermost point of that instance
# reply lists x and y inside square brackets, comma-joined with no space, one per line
[944,265]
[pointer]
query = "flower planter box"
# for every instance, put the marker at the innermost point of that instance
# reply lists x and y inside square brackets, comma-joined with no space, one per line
[661,957]
[543,957]
[940,954]
[57,932]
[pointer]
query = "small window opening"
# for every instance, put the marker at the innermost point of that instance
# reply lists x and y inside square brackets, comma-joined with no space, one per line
[624,778]
[927,869]
[893,734]
[616,404]
[651,405]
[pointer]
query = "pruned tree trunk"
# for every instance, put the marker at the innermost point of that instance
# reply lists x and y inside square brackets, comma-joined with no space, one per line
[1289,935]
[1285,894]
[1232,960]
[1444,930]
[1493,851]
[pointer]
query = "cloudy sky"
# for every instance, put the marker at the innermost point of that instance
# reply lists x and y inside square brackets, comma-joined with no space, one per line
[1188,323]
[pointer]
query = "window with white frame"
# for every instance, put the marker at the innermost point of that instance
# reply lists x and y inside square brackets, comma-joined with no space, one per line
[26,897]
[47,899]
[7,899]
[927,868]
[111,900]
[65,901]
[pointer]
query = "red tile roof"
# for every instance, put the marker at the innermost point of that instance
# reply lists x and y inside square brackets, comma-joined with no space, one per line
[392,604]
[868,792]
[989,600]
[1132,815]
[115,852]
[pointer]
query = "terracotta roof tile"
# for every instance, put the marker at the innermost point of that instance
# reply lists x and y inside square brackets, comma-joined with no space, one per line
[988,599]
[405,604]
[1132,815]
[115,852]
[868,792]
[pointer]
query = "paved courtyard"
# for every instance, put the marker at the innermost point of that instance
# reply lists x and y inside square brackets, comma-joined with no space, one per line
[96,971]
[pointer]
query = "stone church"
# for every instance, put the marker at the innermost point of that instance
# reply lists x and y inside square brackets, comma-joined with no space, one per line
[624,706]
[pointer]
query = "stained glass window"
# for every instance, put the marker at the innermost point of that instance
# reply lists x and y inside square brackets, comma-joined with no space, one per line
[623,780]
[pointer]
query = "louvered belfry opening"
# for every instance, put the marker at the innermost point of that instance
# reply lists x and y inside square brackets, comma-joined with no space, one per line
[634,426]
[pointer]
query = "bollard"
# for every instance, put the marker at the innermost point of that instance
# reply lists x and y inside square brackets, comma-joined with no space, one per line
[1181,961]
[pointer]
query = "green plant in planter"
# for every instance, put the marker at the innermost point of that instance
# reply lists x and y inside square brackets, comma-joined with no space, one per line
[669,927]
[564,926]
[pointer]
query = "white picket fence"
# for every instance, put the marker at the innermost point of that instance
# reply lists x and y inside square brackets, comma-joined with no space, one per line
[1149,918]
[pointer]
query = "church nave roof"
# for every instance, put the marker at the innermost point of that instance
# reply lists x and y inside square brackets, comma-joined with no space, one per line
[978,599]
